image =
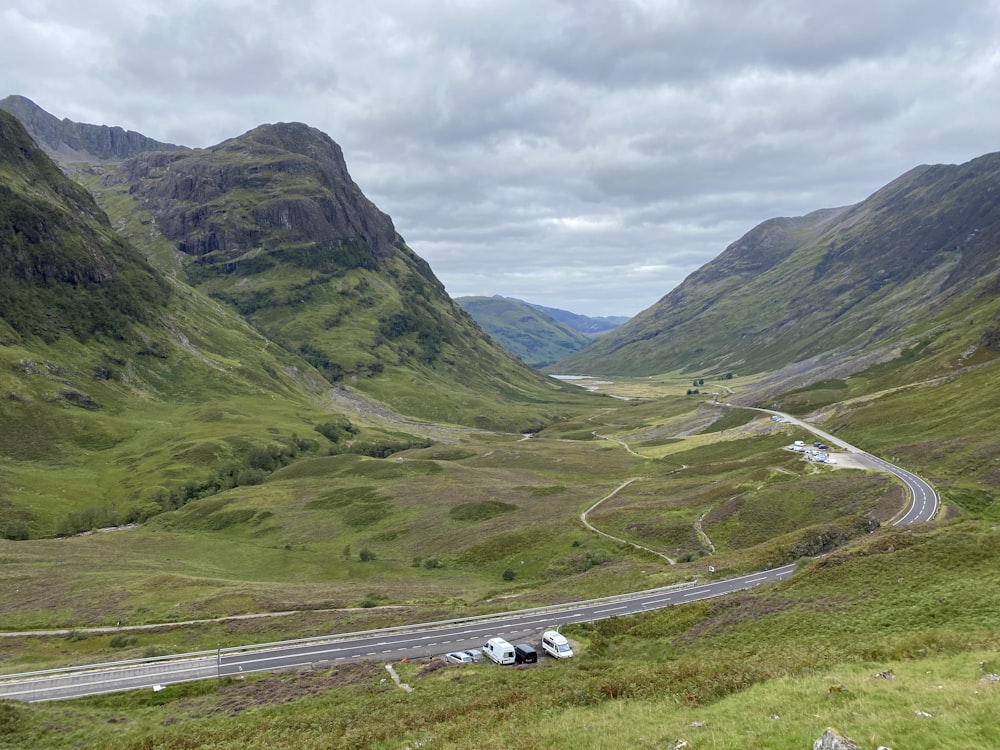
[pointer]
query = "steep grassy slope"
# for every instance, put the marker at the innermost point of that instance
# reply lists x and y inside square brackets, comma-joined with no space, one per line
[920,253]
[124,394]
[775,667]
[62,268]
[526,332]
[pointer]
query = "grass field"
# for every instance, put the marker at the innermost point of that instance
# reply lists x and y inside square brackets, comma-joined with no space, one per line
[773,667]
[443,524]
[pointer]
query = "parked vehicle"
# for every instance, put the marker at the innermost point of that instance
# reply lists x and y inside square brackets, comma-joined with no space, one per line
[525,654]
[475,653]
[458,657]
[499,651]
[556,645]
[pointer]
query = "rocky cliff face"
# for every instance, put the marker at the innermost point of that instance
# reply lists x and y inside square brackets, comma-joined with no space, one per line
[68,141]
[272,224]
[275,185]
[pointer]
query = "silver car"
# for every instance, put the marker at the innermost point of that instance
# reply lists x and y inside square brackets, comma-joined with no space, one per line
[458,657]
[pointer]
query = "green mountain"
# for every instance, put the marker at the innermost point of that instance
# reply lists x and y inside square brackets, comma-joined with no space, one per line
[63,270]
[583,323]
[523,329]
[833,292]
[271,224]
[101,356]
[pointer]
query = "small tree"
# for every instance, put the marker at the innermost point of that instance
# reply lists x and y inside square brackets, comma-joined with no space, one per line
[509,575]
[366,555]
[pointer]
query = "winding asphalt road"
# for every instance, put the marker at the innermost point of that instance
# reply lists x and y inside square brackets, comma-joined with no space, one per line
[924,501]
[412,641]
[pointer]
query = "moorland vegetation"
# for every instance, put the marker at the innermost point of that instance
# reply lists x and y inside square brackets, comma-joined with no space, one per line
[257,478]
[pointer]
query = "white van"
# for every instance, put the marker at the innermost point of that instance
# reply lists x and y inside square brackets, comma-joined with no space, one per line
[499,651]
[556,645]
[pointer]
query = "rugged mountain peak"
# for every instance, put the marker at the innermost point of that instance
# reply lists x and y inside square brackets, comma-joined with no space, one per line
[68,141]
[274,185]
[302,139]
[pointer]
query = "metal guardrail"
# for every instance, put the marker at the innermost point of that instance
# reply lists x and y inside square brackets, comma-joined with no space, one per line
[334,638]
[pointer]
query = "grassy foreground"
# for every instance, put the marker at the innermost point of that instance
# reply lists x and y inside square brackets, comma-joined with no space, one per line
[770,668]
[762,668]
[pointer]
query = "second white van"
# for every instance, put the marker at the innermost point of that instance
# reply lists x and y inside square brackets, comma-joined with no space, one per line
[556,645]
[499,651]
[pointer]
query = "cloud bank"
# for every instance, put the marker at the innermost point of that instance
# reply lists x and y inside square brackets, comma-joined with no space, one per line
[581,155]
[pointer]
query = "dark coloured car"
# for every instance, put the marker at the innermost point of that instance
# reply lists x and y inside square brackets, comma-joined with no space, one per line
[525,654]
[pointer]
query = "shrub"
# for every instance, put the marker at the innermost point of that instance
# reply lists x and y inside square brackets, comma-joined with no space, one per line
[366,555]
[16,531]
[509,575]
[123,641]
[480,511]
[11,719]
[333,431]
[372,599]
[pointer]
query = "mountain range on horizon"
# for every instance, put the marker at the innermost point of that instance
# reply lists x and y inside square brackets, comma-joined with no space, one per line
[268,232]
[832,293]
[790,290]
[540,336]
[229,362]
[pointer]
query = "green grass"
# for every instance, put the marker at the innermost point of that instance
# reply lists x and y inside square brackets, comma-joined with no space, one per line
[485,504]
[758,666]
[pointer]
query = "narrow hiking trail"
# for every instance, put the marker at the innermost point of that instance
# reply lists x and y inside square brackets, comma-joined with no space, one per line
[615,491]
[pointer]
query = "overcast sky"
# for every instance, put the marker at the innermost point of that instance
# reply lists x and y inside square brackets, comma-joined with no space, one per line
[583,155]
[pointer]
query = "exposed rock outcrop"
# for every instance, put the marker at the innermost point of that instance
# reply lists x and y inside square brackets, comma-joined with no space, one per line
[285,179]
[68,141]
[831,739]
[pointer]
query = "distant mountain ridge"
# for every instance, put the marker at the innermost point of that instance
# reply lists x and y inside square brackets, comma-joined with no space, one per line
[834,291]
[526,331]
[68,141]
[582,323]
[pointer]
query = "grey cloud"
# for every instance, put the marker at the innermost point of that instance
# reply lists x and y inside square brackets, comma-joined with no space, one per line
[583,155]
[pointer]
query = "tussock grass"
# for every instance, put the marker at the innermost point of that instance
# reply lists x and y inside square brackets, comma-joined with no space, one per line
[755,668]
